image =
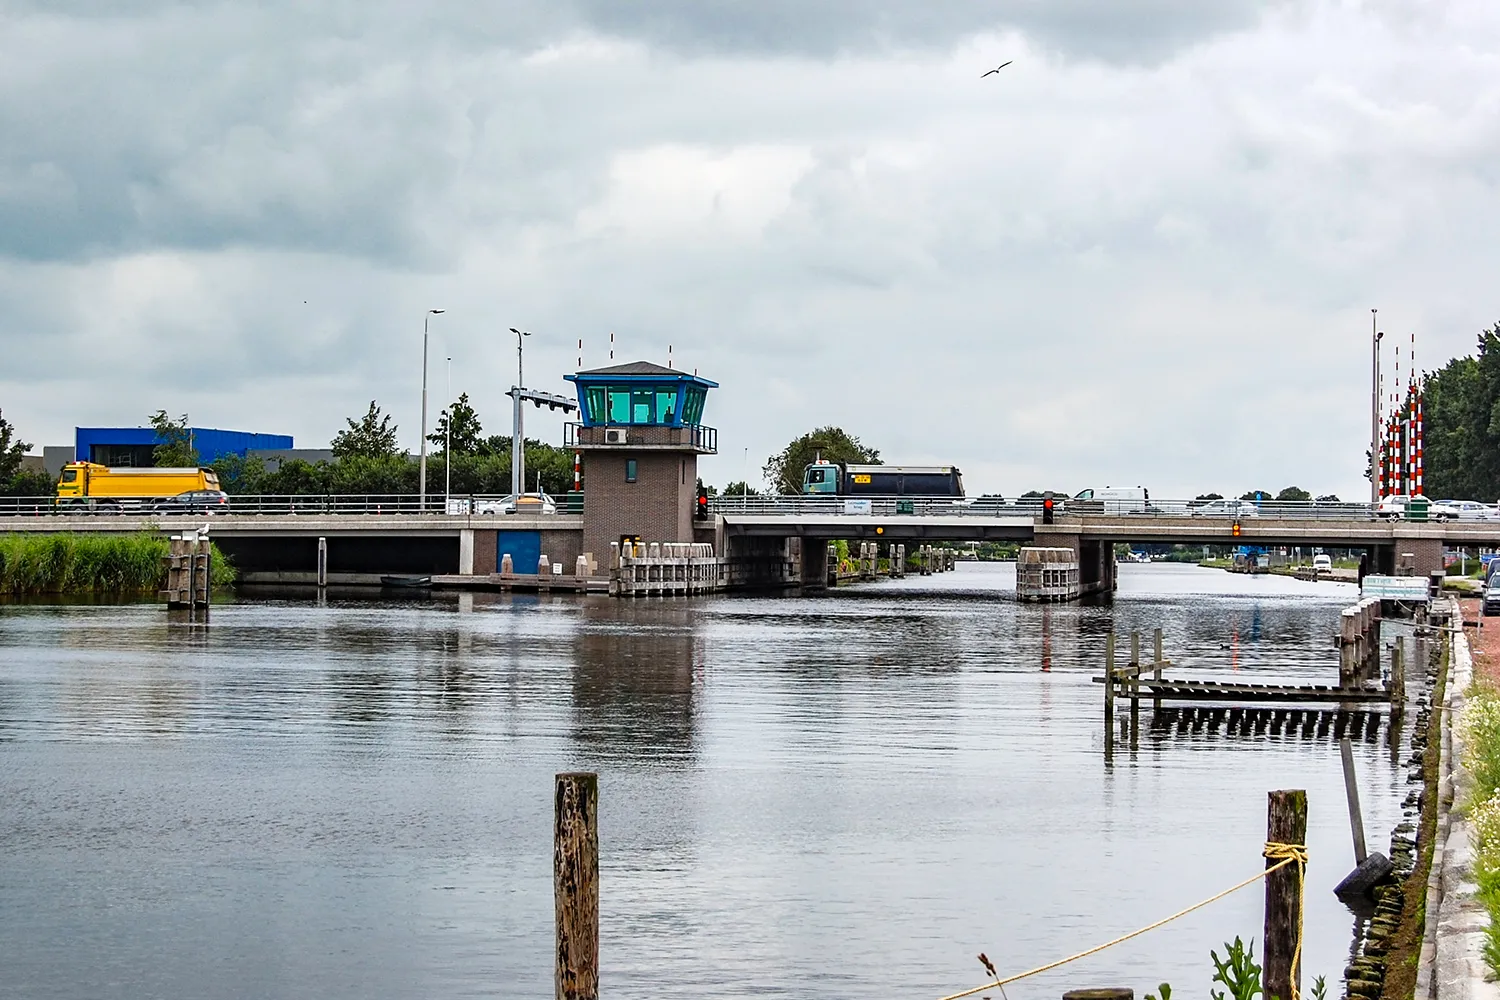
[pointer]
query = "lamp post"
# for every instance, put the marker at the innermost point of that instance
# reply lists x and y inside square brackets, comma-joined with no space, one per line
[448,441]
[422,464]
[1375,336]
[517,434]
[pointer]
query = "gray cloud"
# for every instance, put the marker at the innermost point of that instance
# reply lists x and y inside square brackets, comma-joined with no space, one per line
[1135,32]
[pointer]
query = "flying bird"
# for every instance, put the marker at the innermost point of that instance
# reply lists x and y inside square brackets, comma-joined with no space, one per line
[997,68]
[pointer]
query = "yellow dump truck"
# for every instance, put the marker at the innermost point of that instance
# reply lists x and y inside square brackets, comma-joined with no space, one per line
[99,487]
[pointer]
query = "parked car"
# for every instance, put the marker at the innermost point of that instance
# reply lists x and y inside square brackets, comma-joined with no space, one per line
[1322,563]
[1395,507]
[194,502]
[1492,599]
[526,504]
[1226,508]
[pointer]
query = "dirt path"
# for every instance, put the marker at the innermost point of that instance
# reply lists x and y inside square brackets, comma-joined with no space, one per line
[1483,642]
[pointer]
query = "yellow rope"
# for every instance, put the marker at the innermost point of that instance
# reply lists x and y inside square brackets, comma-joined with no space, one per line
[1288,854]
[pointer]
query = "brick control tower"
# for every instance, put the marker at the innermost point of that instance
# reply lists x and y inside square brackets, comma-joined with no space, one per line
[641,433]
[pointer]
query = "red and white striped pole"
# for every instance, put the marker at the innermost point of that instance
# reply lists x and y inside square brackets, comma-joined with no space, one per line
[1418,488]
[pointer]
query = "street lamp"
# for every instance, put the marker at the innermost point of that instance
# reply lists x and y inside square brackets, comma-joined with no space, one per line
[422,474]
[517,433]
[448,441]
[1375,336]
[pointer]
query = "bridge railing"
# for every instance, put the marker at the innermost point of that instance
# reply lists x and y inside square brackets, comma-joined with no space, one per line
[333,504]
[891,506]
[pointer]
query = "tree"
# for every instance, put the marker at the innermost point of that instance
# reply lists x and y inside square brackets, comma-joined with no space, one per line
[12,449]
[1294,493]
[1255,495]
[1329,498]
[466,428]
[373,436]
[174,449]
[1461,409]
[1209,496]
[833,444]
[740,488]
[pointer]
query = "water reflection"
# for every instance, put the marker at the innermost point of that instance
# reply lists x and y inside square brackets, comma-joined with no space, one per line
[635,672]
[810,797]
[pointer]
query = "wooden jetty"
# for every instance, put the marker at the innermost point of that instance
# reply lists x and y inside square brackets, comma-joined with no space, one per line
[1351,702]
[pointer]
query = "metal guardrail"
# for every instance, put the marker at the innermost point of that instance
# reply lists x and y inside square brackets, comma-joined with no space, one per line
[769,505]
[890,506]
[332,504]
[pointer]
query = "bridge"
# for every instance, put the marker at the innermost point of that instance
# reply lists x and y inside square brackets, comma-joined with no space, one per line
[275,538]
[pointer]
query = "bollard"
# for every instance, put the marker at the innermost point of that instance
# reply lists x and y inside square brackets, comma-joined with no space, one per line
[543,566]
[322,562]
[575,884]
[1286,823]
[581,569]
[507,567]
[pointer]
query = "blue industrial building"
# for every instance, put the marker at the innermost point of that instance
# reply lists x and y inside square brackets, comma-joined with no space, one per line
[129,447]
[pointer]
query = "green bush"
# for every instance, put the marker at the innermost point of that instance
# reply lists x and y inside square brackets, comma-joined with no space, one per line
[66,563]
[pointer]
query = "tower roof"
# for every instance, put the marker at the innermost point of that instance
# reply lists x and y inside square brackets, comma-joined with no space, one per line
[641,369]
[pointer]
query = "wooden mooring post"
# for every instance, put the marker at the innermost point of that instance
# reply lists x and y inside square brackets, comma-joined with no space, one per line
[1109,696]
[1286,823]
[1156,665]
[575,884]
[189,572]
[1135,689]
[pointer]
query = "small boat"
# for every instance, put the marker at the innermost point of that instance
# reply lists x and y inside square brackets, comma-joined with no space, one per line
[406,581]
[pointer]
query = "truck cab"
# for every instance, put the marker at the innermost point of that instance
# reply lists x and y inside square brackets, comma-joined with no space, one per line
[821,478]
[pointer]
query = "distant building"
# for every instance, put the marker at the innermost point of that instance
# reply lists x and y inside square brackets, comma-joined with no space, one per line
[55,456]
[274,457]
[132,447]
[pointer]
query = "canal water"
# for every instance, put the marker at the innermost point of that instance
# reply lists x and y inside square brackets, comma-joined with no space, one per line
[826,797]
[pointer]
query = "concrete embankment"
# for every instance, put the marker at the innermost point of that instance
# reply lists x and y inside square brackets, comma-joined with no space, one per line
[1452,964]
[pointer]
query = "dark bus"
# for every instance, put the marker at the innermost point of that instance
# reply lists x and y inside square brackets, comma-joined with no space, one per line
[839,479]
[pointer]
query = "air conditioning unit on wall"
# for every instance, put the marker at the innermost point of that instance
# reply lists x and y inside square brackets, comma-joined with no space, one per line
[614,435]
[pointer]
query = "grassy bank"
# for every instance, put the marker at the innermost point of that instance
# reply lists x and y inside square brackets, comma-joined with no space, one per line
[1480,724]
[64,563]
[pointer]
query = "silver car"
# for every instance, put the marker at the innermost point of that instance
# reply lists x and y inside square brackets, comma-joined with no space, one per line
[1226,508]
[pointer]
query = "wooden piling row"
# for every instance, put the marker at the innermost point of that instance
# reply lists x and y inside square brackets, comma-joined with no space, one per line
[1359,642]
[189,572]
[663,569]
[1307,723]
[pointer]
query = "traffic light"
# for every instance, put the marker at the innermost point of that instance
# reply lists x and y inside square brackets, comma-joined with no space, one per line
[1047,509]
[702,508]
[1234,529]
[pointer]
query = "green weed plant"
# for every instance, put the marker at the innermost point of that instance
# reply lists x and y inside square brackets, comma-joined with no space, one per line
[75,563]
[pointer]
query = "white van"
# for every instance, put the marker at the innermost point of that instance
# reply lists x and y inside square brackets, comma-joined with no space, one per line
[1113,500]
[1322,565]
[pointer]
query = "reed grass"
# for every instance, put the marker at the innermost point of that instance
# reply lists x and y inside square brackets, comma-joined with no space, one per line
[76,563]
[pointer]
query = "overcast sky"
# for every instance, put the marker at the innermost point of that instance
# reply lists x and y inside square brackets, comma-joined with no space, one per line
[1143,254]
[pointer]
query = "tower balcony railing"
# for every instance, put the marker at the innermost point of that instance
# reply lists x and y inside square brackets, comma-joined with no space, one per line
[642,437]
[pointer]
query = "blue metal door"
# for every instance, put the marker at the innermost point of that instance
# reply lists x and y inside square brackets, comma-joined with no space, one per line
[524,548]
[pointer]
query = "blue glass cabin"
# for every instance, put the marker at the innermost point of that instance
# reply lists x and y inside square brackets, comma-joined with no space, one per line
[640,394]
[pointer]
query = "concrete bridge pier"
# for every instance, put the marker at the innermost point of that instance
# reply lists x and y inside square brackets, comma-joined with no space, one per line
[1416,553]
[814,570]
[1096,558]
[758,561]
